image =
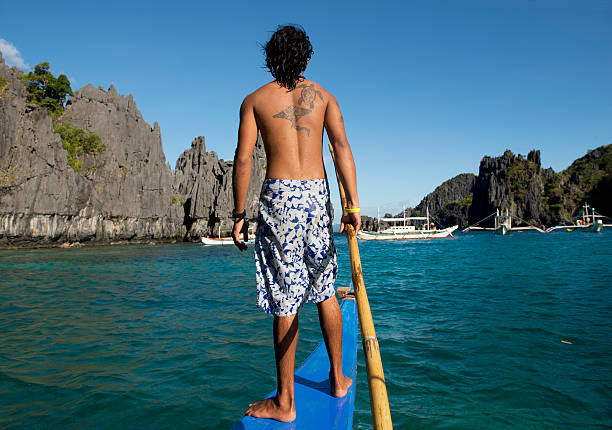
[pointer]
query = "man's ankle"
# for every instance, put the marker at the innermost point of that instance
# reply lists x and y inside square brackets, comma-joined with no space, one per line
[334,376]
[285,401]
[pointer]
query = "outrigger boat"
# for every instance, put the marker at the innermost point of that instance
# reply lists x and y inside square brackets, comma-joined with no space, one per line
[587,220]
[502,224]
[402,230]
[315,407]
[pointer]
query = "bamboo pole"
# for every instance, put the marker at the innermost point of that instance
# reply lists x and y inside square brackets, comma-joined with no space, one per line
[379,402]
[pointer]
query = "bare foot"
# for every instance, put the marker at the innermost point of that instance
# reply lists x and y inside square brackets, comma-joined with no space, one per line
[271,408]
[340,387]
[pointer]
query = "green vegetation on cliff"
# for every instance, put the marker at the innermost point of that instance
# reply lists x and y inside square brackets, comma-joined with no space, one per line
[3,83]
[520,173]
[589,179]
[466,201]
[46,90]
[552,197]
[593,167]
[77,142]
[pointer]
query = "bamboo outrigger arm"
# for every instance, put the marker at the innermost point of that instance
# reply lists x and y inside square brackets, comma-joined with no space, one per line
[379,402]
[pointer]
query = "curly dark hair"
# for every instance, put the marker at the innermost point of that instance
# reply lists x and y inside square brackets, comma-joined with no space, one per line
[287,53]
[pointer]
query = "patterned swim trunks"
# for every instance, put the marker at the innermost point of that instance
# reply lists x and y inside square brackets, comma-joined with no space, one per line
[295,256]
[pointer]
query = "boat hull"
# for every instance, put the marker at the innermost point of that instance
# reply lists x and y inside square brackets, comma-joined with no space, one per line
[211,241]
[594,228]
[588,228]
[315,408]
[502,230]
[412,235]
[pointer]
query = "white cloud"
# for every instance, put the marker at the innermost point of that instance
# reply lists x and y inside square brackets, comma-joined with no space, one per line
[11,55]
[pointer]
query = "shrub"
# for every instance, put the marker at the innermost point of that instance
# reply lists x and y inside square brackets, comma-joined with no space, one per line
[78,142]
[466,201]
[3,83]
[8,177]
[46,90]
[177,200]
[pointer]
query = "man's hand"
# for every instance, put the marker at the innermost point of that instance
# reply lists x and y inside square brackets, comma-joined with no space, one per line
[353,219]
[238,224]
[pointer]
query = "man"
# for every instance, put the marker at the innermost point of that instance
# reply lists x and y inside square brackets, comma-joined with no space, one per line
[295,257]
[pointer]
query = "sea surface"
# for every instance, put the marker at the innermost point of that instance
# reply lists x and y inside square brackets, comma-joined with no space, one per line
[476,332]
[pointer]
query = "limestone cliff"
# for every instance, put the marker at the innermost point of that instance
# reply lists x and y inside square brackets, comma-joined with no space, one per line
[126,193]
[204,183]
[511,182]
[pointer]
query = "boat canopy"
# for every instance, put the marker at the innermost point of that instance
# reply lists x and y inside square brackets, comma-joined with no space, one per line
[403,219]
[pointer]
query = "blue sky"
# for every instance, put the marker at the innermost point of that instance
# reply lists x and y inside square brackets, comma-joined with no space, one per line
[426,87]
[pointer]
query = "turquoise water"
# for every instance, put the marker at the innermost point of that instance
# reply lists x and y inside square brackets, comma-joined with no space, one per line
[168,336]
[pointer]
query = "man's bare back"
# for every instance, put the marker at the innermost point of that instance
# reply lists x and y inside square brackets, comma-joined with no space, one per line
[291,125]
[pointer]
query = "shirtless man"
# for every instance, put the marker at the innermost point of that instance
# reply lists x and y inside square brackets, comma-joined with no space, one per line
[295,257]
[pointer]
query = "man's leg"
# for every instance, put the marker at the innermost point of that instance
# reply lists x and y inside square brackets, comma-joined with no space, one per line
[282,406]
[330,319]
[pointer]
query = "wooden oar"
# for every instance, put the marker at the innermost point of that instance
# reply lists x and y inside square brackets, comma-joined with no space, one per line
[379,402]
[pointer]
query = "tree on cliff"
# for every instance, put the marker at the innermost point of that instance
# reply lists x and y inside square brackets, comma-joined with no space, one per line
[77,142]
[46,90]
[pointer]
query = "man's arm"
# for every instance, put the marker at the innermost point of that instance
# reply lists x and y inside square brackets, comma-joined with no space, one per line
[247,137]
[345,164]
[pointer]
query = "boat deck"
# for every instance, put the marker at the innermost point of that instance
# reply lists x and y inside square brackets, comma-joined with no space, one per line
[315,407]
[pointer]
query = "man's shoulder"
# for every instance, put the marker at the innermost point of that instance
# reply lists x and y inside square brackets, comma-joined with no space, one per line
[261,90]
[307,83]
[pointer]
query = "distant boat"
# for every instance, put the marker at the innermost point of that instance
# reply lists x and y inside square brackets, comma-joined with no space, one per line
[402,230]
[315,407]
[502,224]
[587,220]
[219,241]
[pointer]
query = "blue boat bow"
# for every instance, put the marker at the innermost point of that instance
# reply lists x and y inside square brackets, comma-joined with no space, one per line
[315,407]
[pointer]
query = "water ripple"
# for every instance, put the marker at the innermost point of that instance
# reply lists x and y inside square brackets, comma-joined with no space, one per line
[470,330]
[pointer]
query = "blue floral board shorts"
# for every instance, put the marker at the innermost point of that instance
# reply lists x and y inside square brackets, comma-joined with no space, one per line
[295,256]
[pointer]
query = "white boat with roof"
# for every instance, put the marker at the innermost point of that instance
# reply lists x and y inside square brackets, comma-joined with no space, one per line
[403,229]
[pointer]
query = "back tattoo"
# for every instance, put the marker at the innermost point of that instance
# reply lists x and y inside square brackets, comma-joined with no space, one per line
[293,113]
